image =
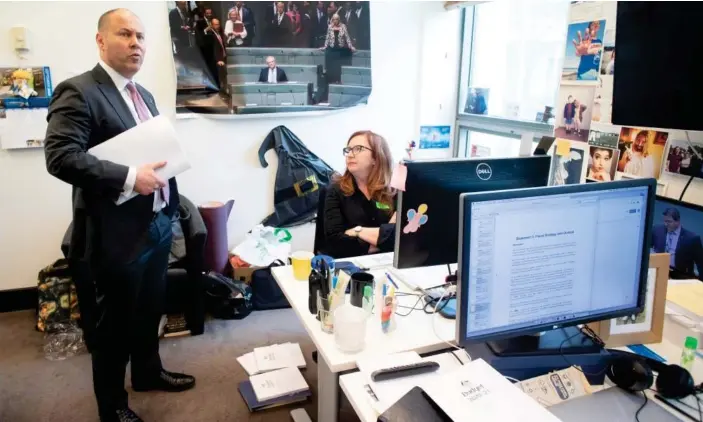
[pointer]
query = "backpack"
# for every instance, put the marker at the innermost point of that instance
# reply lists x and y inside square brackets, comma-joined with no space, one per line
[265,291]
[226,298]
[57,299]
[298,179]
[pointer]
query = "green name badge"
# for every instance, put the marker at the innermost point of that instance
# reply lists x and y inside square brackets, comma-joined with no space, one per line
[381,206]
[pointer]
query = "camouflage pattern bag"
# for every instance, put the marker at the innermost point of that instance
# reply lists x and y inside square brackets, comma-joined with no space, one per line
[58,302]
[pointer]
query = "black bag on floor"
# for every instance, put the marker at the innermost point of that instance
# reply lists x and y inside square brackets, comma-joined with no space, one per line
[226,298]
[298,178]
[265,291]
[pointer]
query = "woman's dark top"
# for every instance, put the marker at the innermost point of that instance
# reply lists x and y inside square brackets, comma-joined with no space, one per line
[336,39]
[346,212]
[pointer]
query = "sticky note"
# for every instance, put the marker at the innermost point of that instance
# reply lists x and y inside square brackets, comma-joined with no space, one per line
[563,147]
[400,173]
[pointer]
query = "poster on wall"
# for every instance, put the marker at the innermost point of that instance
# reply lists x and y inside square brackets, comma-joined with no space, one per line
[270,57]
[25,94]
[435,137]
[584,48]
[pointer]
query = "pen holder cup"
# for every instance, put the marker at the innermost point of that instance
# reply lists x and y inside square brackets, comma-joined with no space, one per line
[358,282]
[388,319]
[350,328]
[325,310]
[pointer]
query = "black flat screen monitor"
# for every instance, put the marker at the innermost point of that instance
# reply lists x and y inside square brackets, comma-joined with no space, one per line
[539,259]
[657,76]
[428,209]
[676,230]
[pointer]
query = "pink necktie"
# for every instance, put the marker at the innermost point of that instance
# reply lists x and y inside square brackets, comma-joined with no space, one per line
[143,113]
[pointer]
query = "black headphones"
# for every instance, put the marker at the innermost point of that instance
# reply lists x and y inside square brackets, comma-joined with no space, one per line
[634,373]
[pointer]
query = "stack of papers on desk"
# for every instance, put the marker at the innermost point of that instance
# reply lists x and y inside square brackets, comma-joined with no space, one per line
[269,358]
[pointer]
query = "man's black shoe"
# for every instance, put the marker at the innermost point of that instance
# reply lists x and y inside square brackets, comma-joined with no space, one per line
[166,381]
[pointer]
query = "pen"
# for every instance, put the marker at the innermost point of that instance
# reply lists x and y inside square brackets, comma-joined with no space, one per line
[391,280]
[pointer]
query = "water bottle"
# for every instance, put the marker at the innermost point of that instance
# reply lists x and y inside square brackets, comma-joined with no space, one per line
[688,354]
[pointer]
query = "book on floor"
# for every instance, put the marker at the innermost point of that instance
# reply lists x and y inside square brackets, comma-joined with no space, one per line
[173,326]
[279,356]
[279,383]
[247,392]
[248,362]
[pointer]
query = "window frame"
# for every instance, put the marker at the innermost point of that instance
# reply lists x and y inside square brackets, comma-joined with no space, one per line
[493,125]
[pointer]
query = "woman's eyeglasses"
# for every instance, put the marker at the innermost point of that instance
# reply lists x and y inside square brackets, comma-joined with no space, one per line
[354,150]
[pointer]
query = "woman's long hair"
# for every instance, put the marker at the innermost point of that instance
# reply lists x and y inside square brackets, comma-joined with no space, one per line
[378,183]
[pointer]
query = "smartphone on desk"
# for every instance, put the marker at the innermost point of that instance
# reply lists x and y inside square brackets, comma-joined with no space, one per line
[415,406]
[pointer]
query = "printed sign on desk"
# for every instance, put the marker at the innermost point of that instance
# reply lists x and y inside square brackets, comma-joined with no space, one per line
[435,137]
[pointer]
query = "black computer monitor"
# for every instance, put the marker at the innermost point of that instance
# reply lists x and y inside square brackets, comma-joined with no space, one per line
[542,259]
[676,230]
[426,231]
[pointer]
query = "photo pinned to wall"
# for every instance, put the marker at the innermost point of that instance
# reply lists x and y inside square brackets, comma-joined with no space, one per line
[603,100]
[25,93]
[569,163]
[607,66]
[477,103]
[270,57]
[435,137]
[641,151]
[602,163]
[647,327]
[584,48]
[575,106]
[684,158]
[604,135]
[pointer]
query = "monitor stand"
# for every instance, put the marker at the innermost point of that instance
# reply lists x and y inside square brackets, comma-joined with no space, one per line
[552,342]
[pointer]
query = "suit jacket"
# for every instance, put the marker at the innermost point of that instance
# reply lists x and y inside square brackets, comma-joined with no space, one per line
[175,22]
[280,35]
[247,17]
[689,250]
[319,26]
[219,47]
[280,75]
[85,111]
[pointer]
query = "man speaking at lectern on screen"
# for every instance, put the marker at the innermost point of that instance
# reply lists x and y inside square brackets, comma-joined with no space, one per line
[124,248]
[683,246]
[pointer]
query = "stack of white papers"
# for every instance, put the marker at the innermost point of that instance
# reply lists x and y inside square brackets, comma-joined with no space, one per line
[279,383]
[270,358]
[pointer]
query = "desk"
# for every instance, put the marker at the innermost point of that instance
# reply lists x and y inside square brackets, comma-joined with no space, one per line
[413,333]
[353,384]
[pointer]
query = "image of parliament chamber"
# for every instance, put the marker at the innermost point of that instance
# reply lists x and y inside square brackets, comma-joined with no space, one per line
[308,86]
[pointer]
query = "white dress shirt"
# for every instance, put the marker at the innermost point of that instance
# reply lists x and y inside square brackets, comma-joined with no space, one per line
[272,76]
[672,241]
[121,85]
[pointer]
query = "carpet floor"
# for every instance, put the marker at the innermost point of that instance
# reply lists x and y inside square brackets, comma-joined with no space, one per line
[33,388]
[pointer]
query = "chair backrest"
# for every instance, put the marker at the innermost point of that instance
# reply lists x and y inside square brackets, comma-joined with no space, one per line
[319,246]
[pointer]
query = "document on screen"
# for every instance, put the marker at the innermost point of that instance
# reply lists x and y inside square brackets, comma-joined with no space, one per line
[543,268]
[149,142]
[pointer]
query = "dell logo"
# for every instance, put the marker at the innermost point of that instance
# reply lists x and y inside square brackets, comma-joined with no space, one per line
[483,171]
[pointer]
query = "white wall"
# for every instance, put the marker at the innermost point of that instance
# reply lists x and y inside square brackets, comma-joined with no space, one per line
[35,209]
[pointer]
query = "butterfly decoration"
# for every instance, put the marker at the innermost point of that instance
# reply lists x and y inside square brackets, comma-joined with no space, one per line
[416,219]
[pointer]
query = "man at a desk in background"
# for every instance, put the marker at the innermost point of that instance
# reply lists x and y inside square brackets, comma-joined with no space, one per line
[272,73]
[683,246]
[118,254]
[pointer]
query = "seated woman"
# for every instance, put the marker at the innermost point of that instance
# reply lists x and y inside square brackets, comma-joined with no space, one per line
[359,207]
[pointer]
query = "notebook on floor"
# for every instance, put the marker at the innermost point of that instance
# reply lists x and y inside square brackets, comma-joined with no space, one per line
[247,392]
[278,383]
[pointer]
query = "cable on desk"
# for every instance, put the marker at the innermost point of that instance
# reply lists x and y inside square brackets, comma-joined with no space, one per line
[412,308]
[434,329]
[637,414]
[590,333]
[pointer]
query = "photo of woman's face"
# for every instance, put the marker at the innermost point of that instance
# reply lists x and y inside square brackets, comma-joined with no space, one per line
[601,160]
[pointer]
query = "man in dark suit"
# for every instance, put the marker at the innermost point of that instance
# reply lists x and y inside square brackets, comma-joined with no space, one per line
[280,28]
[180,24]
[360,26]
[683,245]
[319,25]
[217,54]
[272,73]
[122,249]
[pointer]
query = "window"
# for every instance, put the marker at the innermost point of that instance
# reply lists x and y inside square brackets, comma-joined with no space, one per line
[510,71]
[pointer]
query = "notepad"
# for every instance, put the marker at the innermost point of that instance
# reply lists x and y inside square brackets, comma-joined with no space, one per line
[247,392]
[687,299]
[278,356]
[278,383]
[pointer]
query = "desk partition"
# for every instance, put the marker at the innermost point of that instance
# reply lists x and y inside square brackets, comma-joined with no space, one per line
[265,94]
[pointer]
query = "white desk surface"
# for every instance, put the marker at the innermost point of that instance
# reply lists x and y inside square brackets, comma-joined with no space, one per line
[353,384]
[413,333]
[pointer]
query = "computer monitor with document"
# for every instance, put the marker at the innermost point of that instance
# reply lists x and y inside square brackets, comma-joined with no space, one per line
[426,230]
[541,259]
